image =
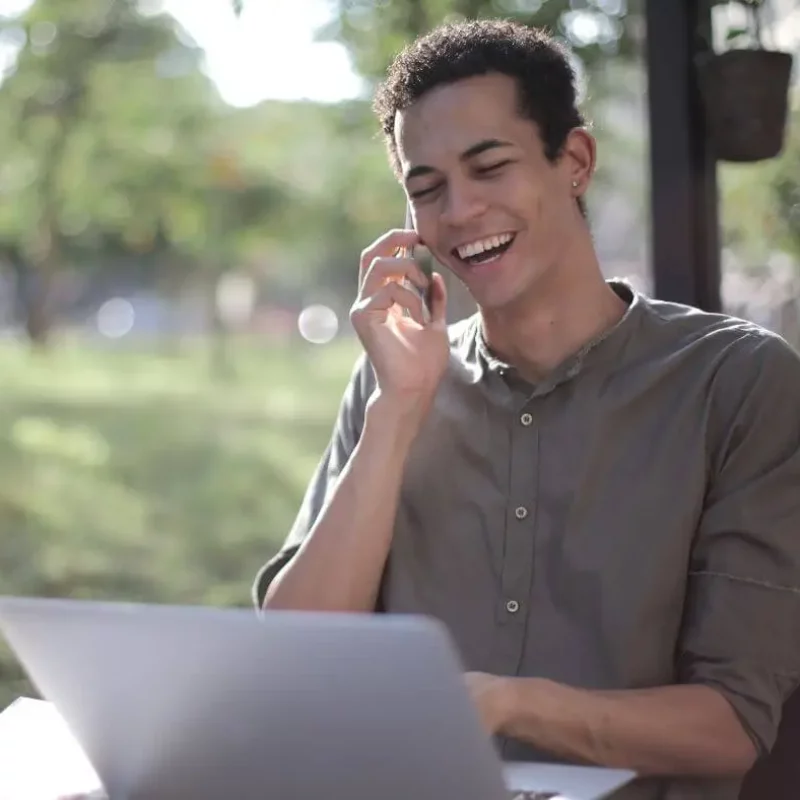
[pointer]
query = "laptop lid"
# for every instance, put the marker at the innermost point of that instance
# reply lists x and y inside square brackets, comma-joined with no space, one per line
[566,781]
[198,703]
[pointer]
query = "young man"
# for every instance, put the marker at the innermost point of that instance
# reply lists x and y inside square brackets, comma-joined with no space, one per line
[597,492]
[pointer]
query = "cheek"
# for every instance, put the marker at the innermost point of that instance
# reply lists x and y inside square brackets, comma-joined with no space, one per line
[426,226]
[544,206]
[521,195]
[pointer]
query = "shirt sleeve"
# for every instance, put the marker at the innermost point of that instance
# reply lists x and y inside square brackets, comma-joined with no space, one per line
[346,433]
[741,632]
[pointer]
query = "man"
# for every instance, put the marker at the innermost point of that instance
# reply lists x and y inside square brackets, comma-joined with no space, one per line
[597,492]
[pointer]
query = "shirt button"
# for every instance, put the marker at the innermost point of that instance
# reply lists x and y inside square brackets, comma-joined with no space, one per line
[526,419]
[521,512]
[512,606]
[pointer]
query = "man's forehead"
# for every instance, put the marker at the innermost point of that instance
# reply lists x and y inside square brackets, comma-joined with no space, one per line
[452,117]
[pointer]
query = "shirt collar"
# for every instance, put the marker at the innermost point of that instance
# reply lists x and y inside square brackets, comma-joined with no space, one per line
[601,348]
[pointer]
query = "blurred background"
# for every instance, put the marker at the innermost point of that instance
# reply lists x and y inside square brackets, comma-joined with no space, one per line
[185,187]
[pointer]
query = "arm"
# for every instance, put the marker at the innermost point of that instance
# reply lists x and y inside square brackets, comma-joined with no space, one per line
[669,730]
[738,656]
[334,557]
[339,564]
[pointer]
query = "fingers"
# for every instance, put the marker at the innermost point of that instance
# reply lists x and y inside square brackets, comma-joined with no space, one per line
[384,269]
[437,301]
[386,246]
[389,295]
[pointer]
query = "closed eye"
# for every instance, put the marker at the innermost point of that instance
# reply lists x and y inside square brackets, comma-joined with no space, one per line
[424,192]
[492,167]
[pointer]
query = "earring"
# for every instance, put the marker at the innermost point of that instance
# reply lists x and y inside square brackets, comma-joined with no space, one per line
[574,184]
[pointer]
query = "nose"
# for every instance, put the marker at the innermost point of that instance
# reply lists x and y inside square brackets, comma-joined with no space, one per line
[463,203]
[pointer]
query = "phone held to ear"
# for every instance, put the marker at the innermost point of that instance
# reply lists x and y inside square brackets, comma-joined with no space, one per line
[424,260]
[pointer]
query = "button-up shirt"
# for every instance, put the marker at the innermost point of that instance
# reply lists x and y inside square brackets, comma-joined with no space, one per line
[630,521]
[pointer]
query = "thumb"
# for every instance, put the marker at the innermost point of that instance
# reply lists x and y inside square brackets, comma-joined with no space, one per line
[438,298]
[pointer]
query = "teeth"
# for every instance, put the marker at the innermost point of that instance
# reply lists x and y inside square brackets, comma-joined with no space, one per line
[472,249]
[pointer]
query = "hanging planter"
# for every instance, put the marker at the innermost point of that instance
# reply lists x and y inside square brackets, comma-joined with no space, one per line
[745,94]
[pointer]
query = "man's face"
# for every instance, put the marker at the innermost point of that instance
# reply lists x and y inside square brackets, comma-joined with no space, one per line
[485,199]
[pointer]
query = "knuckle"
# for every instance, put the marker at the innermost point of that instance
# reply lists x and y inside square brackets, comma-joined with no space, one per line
[367,255]
[358,306]
[375,265]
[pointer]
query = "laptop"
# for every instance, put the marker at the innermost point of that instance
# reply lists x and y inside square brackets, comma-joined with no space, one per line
[196,703]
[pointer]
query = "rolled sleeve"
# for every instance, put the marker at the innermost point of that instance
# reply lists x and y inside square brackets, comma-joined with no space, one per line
[346,433]
[741,632]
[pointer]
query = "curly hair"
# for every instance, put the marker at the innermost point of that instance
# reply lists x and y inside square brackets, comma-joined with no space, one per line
[541,66]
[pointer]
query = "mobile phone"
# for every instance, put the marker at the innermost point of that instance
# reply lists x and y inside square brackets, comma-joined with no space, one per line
[422,255]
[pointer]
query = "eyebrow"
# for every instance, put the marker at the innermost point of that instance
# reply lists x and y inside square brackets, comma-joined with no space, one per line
[470,152]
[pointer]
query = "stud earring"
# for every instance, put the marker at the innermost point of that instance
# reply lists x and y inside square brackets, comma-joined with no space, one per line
[574,184]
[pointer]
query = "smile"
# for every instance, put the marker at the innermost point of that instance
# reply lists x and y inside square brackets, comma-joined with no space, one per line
[485,250]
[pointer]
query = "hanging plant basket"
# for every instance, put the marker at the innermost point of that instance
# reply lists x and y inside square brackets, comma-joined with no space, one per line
[745,94]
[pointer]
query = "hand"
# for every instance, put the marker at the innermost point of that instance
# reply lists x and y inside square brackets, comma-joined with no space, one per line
[408,354]
[491,695]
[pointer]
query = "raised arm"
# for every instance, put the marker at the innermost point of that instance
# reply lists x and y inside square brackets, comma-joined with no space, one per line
[336,557]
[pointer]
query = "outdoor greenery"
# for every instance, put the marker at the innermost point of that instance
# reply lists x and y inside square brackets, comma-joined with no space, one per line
[134,470]
[125,474]
[374,32]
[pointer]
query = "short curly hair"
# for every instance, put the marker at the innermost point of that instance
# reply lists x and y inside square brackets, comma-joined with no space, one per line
[541,66]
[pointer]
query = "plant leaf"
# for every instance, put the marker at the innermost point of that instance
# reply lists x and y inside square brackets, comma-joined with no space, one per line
[735,33]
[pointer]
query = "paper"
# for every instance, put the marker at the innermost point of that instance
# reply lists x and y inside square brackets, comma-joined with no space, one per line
[39,757]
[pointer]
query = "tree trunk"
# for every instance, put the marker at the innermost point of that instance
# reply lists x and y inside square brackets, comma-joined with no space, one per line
[39,310]
[220,364]
[47,255]
[40,273]
[33,296]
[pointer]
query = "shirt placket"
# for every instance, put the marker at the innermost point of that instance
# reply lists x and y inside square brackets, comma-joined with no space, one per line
[513,602]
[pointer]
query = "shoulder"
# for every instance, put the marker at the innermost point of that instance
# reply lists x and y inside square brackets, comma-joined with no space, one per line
[750,375]
[734,350]
[759,383]
[683,325]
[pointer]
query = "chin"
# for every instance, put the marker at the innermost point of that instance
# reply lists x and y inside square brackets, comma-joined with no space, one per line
[497,302]
[502,291]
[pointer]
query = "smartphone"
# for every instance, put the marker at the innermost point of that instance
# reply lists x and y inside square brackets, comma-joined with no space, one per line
[424,260]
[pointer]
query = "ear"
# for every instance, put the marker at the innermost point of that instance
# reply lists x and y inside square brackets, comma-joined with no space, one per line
[578,159]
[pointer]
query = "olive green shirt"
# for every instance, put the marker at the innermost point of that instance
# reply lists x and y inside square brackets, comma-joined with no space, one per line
[631,521]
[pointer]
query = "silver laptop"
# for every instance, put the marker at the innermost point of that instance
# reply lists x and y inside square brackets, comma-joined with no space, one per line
[192,703]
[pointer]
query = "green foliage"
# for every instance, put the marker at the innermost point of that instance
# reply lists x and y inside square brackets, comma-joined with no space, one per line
[749,35]
[374,32]
[761,202]
[331,163]
[112,144]
[784,182]
[131,475]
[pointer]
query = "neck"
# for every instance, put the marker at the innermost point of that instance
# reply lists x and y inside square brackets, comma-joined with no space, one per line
[560,314]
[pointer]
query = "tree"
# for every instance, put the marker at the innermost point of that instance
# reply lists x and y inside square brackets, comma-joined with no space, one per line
[109,131]
[374,32]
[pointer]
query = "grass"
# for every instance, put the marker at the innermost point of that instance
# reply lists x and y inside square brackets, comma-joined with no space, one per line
[137,475]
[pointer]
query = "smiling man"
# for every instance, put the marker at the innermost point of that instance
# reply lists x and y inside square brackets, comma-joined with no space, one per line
[597,492]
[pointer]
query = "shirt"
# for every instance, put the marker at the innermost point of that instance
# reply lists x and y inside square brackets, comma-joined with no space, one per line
[631,521]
